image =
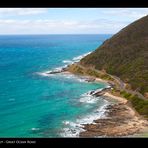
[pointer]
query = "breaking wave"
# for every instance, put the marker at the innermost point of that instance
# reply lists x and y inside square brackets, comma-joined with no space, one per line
[61,68]
[73,129]
[76,59]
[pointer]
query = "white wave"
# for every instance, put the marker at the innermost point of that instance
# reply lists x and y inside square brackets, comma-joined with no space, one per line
[68,61]
[34,129]
[51,72]
[78,58]
[73,129]
[75,59]
[93,92]
[87,98]
[72,132]
[72,77]
[60,69]
[45,74]
[98,90]
[82,80]
[62,75]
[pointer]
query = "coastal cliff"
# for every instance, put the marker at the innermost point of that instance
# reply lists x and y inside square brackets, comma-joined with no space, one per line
[123,61]
[125,55]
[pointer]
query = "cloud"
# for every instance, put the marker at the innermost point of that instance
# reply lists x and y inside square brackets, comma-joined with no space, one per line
[133,13]
[46,26]
[22,11]
[108,20]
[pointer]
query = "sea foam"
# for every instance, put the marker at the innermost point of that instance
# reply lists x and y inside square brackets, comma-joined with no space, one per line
[76,59]
[60,68]
[73,129]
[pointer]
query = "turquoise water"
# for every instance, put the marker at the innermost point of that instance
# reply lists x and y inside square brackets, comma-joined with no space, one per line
[34,105]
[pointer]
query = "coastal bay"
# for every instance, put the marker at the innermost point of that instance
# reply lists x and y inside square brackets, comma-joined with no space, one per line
[34,103]
[73,73]
[122,61]
[120,120]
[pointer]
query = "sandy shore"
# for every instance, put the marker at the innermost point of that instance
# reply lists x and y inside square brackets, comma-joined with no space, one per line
[120,120]
[119,99]
[101,80]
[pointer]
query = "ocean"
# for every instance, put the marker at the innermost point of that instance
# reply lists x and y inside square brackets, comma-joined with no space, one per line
[34,104]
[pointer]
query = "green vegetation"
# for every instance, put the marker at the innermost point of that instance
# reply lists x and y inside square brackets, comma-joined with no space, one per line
[125,55]
[88,71]
[76,69]
[126,95]
[139,104]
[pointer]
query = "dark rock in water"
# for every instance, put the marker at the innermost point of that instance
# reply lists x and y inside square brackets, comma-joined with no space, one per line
[98,94]
[53,72]
[64,69]
[58,71]
[90,80]
[91,92]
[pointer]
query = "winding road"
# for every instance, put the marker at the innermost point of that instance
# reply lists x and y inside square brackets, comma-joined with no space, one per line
[120,83]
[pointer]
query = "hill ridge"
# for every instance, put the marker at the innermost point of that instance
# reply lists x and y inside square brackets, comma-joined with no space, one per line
[125,55]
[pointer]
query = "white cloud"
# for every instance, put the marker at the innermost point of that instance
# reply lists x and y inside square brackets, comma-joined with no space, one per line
[133,13]
[22,11]
[113,20]
[46,26]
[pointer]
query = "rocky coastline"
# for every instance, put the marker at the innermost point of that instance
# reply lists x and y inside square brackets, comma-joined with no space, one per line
[120,118]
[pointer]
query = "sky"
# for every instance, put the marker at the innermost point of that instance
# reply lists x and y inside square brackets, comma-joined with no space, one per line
[67,20]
